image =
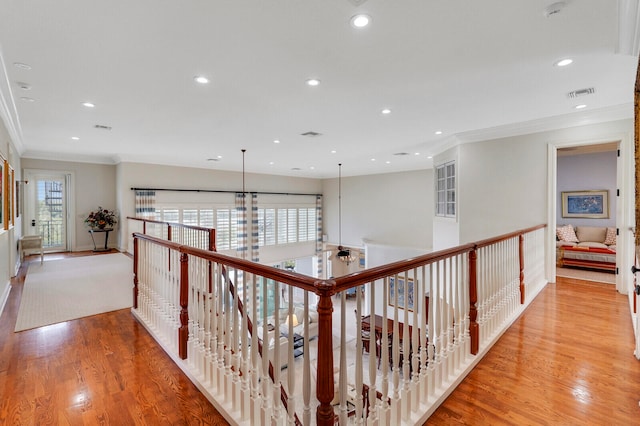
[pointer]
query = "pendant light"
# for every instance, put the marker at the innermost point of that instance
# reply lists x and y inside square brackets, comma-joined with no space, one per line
[343,255]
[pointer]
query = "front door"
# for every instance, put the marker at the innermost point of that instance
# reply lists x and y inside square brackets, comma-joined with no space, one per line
[46,208]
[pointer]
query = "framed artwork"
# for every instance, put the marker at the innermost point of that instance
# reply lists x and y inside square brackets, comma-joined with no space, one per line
[405,291]
[3,181]
[586,204]
[18,205]
[11,215]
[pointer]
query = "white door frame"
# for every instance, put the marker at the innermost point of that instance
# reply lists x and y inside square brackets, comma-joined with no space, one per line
[625,214]
[29,197]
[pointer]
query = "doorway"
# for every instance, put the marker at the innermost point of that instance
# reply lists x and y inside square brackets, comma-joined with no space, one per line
[47,208]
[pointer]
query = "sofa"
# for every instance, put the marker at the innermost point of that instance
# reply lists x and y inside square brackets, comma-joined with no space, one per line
[591,247]
[298,328]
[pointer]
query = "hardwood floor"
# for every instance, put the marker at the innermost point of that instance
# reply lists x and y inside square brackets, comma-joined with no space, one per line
[101,370]
[567,360]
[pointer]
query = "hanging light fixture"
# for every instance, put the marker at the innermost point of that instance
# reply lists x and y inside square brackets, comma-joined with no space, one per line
[344,254]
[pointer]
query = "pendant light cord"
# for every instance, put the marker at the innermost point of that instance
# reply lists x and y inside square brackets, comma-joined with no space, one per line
[340,205]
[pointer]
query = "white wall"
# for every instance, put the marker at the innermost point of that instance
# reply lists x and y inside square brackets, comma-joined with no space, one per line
[503,182]
[94,185]
[9,260]
[394,209]
[586,172]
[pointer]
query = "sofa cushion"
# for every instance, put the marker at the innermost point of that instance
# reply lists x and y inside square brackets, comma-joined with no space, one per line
[611,237]
[566,233]
[591,233]
[592,244]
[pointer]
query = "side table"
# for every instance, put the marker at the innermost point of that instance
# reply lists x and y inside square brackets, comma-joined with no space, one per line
[106,238]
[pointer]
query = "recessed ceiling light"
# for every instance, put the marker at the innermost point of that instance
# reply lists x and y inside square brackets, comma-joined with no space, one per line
[360,21]
[276,141]
[88,104]
[386,111]
[22,65]
[333,151]
[24,98]
[271,163]
[373,159]
[580,106]
[387,162]
[313,82]
[438,132]
[416,153]
[430,157]
[312,168]
[75,138]
[220,157]
[563,62]
[201,79]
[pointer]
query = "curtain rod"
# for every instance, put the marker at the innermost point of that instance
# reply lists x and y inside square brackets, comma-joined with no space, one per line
[222,191]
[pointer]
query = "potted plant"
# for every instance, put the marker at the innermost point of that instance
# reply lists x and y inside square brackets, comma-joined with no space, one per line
[101,219]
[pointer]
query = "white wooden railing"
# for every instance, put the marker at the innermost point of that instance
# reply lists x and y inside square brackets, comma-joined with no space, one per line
[209,312]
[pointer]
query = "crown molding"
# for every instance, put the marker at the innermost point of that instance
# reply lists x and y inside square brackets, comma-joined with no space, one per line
[8,111]
[628,27]
[579,118]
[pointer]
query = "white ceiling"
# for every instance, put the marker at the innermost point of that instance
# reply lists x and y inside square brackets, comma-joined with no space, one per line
[467,68]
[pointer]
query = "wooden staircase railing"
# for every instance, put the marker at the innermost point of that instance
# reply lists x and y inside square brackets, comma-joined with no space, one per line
[474,290]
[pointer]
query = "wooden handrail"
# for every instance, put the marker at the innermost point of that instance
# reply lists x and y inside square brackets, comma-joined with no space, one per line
[325,288]
[176,224]
[490,241]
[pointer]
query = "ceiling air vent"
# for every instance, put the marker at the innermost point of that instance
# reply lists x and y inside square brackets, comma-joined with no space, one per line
[102,127]
[401,154]
[311,134]
[581,92]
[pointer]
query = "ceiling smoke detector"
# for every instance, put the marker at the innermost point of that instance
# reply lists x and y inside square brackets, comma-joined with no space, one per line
[310,134]
[581,92]
[554,8]
[102,127]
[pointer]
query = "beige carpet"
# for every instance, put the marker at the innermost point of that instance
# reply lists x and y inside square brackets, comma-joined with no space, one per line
[583,274]
[66,289]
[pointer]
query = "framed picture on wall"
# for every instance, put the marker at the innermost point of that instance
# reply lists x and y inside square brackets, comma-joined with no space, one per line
[586,204]
[404,290]
[11,215]
[2,193]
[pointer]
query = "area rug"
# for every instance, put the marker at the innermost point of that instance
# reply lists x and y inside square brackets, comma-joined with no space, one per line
[586,275]
[66,289]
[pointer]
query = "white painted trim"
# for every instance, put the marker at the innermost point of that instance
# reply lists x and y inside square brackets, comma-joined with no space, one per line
[552,184]
[8,111]
[5,296]
[628,31]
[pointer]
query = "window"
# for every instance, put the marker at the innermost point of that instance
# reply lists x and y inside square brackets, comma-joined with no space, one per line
[226,229]
[446,190]
[286,225]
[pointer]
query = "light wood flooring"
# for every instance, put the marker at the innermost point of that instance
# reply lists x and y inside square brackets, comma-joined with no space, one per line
[567,360]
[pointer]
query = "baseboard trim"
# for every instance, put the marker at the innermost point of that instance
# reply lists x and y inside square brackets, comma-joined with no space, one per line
[5,296]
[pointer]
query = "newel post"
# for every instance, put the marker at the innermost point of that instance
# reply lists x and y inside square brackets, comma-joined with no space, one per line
[521,252]
[212,240]
[474,331]
[135,272]
[183,331]
[324,381]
